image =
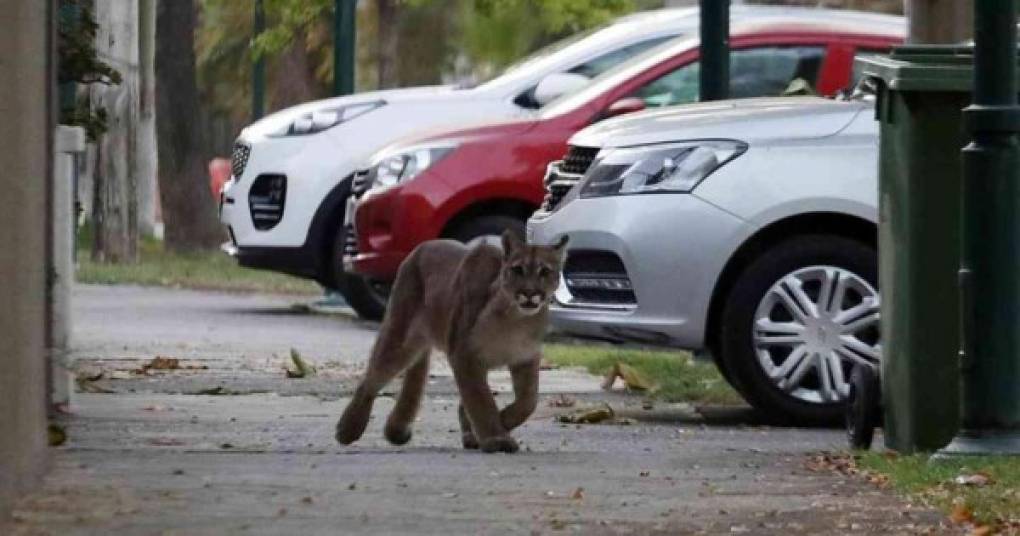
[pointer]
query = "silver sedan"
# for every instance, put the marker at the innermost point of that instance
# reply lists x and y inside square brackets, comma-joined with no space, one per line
[745,228]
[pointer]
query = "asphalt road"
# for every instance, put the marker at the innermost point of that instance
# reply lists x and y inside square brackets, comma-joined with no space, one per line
[149,454]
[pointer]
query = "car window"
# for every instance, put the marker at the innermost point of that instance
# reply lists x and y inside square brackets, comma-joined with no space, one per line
[597,66]
[755,72]
[603,63]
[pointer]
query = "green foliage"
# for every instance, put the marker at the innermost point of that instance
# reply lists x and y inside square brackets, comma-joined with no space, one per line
[497,32]
[78,63]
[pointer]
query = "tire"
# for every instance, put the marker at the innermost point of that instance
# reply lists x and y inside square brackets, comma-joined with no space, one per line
[367,298]
[487,226]
[863,407]
[760,327]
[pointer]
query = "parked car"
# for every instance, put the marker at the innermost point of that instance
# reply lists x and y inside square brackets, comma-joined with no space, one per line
[473,183]
[284,206]
[747,228]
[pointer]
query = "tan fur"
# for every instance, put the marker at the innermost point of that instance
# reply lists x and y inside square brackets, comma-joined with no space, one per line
[484,308]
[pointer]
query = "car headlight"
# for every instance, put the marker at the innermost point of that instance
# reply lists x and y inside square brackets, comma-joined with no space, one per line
[673,167]
[407,164]
[320,120]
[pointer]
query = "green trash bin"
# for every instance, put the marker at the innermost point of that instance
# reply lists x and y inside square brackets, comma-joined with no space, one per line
[921,92]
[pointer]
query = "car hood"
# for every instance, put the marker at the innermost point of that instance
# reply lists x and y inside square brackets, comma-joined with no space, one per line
[459,136]
[749,120]
[283,118]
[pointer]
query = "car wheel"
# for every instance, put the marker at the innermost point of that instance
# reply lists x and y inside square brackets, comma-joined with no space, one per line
[367,297]
[487,229]
[797,321]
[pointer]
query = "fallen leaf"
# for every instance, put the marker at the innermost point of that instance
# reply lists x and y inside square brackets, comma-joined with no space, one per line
[588,415]
[578,494]
[162,363]
[301,367]
[981,530]
[218,390]
[961,514]
[632,378]
[57,435]
[89,375]
[975,479]
[307,500]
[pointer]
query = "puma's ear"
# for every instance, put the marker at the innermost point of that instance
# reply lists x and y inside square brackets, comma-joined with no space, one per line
[512,243]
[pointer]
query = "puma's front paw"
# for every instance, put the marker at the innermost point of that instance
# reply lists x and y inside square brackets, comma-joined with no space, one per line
[469,441]
[499,444]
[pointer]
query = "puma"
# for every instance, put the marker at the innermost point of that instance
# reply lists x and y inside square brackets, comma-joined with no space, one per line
[484,308]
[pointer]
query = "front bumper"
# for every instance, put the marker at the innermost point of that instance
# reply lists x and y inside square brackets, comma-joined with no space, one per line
[387,224]
[307,167]
[672,247]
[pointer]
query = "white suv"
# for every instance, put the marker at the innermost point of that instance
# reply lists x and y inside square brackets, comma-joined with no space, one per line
[291,172]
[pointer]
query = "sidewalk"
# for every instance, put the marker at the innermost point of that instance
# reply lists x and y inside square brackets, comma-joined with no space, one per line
[156,462]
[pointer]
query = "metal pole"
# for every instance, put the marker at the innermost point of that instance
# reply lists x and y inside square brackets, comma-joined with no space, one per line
[715,50]
[258,72]
[344,46]
[989,276]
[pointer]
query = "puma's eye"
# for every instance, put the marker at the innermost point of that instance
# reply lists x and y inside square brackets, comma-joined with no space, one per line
[544,272]
[517,270]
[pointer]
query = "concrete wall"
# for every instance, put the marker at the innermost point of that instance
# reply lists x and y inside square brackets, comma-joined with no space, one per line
[24,156]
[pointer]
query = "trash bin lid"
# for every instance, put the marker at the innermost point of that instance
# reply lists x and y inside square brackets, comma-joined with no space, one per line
[923,68]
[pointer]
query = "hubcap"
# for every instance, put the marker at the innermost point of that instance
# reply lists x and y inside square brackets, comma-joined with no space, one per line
[810,329]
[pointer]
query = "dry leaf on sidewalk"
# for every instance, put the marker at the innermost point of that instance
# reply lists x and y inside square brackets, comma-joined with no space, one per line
[162,363]
[632,378]
[961,514]
[588,415]
[301,367]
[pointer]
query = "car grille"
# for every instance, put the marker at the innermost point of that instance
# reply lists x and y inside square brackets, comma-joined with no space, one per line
[565,174]
[598,277]
[239,159]
[578,159]
[266,200]
[360,183]
[350,244]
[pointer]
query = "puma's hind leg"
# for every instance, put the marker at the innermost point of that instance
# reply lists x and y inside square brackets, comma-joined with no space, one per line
[391,355]
[398,425]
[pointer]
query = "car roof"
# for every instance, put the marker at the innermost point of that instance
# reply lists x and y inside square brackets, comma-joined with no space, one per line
[773,25]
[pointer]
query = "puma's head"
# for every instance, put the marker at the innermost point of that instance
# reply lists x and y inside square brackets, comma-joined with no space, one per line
[530,274]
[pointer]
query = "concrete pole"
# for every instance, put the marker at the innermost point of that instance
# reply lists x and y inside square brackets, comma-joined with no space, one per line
[26,97]
[69,145]
[939,21]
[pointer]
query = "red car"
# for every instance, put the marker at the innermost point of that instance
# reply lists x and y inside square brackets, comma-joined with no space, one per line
[473,183]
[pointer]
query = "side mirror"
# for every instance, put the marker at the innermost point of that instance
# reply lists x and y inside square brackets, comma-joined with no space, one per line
[624,106]
[558,84]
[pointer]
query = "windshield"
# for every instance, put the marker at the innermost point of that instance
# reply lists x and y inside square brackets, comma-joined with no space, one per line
[616,76]
[537,56]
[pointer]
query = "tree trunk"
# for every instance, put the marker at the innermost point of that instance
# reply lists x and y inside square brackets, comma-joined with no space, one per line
[189,212]
[115,203]
[939,21]
[388,44]
[294,75]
